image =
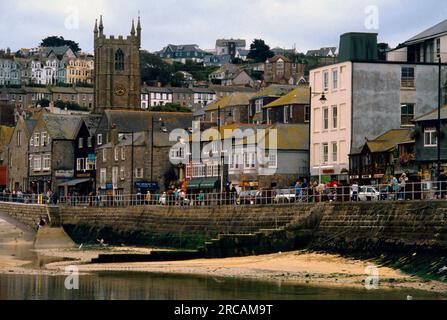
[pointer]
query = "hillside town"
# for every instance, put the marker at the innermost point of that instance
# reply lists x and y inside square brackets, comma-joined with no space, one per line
[76,124]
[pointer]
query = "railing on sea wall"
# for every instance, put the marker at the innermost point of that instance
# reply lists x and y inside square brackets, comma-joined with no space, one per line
[296,195]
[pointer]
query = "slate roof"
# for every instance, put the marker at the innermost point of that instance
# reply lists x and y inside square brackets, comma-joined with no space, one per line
[274,90]
[232,89]
[323,52]
[156,89]
[62,127]
[137,121]
[92,122]
[300,95]
[386,142]
[30,124]
[289,137]
[234,99]
[435,31]
[60,51]
[433,115]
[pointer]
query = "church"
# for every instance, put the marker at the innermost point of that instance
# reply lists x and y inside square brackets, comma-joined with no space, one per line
[117,69]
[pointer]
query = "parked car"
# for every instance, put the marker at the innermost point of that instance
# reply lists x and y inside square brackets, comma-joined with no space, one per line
[368,193]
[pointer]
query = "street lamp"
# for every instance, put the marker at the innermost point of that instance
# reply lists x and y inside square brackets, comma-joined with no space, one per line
[152,141]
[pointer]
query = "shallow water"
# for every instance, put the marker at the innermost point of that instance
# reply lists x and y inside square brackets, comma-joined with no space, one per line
[137,286]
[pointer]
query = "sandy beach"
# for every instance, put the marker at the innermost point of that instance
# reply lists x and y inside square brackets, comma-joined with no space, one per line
[294,267]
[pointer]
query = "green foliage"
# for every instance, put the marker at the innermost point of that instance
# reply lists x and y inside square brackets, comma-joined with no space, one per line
[382,48]
[69,105]
[197,70]
[259,51]
[55,41]
[154,69]
[44,103]
[170,107]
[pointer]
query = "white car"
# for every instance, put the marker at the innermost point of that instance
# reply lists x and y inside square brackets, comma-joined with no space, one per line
[285,196]
[368,193]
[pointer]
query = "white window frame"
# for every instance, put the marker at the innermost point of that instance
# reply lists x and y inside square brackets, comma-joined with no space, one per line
[334,152]
[325,118]
[37,163]
[334,117]
[432,132]
[139,173]
[46,162]
[335,79]
[325,152]
[99,139]
[81,143]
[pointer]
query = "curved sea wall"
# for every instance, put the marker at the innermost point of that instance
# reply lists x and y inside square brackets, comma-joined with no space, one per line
[349,227]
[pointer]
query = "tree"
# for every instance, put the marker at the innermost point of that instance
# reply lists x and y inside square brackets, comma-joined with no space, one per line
[171,107]
[55,41]
[43,103]
[259,51]
[382,49]
[154,69]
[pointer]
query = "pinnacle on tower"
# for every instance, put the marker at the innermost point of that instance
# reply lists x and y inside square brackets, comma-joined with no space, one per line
[101,26]
[132,31]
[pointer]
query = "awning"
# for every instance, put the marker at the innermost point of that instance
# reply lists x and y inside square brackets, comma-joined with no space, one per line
[194,184]
[76,182]
[209,183]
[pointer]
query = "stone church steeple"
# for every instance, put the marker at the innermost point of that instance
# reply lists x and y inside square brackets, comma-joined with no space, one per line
[117,69]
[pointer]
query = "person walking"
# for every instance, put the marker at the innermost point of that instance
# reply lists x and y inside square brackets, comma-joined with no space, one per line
[402,184]
[355,192]
[201,198]
[395,186]
[148,197]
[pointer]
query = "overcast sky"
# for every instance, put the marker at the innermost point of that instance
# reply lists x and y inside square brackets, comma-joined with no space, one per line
[306,24]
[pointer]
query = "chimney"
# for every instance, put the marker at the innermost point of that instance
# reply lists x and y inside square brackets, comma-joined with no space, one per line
[358,46]
[113,135]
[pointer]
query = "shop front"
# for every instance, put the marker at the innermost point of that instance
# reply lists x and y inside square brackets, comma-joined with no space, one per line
[40,184]
[144,186]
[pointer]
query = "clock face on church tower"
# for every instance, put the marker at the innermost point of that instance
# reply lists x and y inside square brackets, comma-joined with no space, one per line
[120,90]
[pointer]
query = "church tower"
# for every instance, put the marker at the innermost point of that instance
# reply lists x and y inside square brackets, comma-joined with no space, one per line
[117,69]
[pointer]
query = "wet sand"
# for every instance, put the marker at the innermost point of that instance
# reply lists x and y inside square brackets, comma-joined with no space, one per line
[293,267]
[299,267]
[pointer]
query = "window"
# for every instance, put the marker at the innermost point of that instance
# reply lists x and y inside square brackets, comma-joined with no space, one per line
[430,137]
[99,139]
[89,142]
[119,60]
[103,177]
[117,154]
[47,162]
[36,139]
[334,152]
[286,114]
[122,173]
[325,118]
[325,81]
[306,113]
[334,117]
[80,164]
[37,163]
[123,154]
[334,79]
[104,155]
[258,105]
[139,173]
[325,153]
[407,77]
[115,172]
[80,143]
[407,114]
[273,161]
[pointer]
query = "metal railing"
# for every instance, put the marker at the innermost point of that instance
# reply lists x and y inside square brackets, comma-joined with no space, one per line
[317,194]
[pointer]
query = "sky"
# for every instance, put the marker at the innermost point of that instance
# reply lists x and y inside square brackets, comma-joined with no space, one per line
[303,24]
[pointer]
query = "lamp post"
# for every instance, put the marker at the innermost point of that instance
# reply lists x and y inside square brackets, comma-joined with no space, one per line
[152,143]
[323,100]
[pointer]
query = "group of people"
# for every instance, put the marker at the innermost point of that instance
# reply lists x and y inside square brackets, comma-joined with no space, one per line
[19,196]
